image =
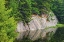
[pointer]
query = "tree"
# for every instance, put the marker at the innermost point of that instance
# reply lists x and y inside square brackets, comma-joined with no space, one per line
[7,24]
[14,4]
[25,10]
[58,9]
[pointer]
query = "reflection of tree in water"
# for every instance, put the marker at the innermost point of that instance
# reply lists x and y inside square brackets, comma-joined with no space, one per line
[25,39]
[58,36]
[37,37]
[40,40]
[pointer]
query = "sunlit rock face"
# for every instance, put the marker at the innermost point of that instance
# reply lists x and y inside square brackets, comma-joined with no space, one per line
[36,28]
[38,22]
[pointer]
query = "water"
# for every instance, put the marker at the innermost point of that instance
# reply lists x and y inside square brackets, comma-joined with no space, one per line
[58,36]
[36,35]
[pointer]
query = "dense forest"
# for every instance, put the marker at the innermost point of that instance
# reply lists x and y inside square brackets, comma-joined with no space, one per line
[12,11]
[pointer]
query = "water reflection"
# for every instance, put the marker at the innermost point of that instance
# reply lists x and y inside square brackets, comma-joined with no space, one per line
[35,34]
[58,36]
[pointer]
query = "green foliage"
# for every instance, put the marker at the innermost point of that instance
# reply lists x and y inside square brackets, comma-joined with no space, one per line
[58,9]
[12,10]
[7,24]
[14,4]
[41,6]
[25,10]
[29,7]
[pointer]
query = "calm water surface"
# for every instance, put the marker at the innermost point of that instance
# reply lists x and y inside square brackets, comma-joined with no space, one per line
[36,35]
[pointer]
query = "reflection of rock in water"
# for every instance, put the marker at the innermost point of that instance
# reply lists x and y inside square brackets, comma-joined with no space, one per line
[35,34]
[45,33]
[32,33]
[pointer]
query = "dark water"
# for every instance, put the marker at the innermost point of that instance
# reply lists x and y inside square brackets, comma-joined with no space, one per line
[57,37]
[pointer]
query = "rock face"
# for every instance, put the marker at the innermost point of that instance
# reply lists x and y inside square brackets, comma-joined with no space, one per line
[36,28]
[37,22]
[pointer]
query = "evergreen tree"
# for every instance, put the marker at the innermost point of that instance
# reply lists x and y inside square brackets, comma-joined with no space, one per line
[14,4]
[58,9]
[25,10]
[7,24]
